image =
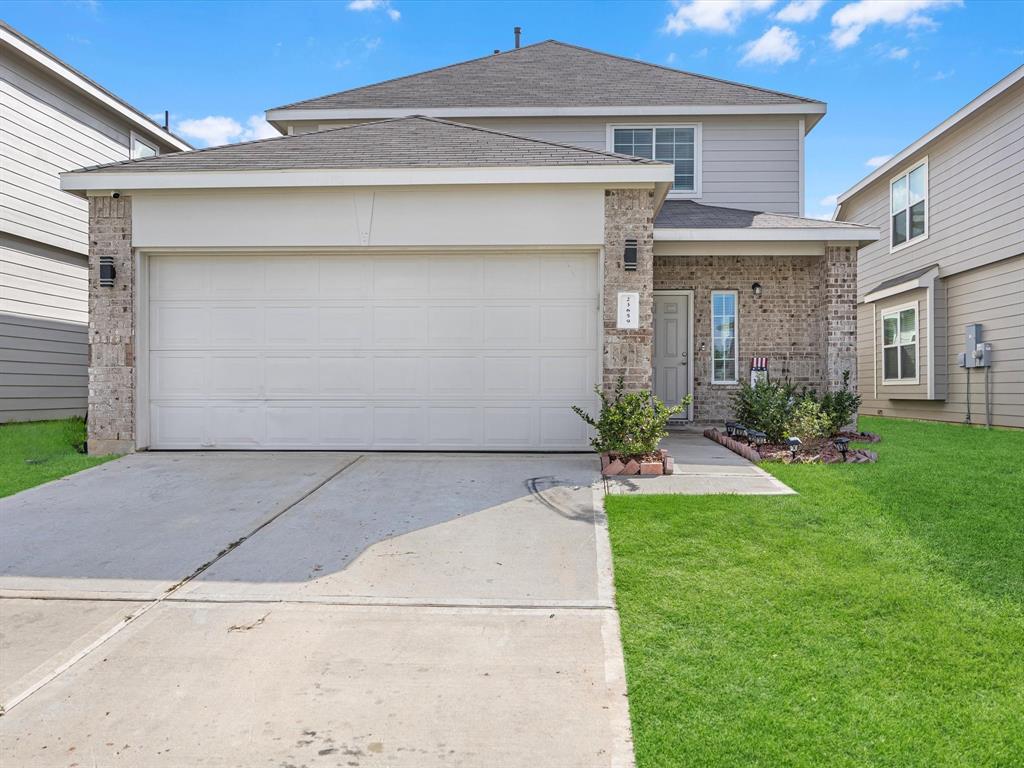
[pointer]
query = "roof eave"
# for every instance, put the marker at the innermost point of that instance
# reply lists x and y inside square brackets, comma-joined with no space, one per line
[83,84]
[98,181]
[859,234]
[952,121]
[279,118]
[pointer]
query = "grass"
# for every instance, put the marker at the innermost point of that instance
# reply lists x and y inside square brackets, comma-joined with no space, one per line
[877,619]
[33,453]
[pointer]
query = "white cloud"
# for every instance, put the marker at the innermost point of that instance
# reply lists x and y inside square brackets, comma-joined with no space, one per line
[712,15]
[776,46]
[943,74]
[372,43]
[214,130]
[899,53]
[800,10]
[701,54]
[828,200]
[670,58]
[375,5]
[877,160]
[823,216]
[850,21]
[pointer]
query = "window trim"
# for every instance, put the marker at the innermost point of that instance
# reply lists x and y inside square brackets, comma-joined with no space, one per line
[896,310]
[927,205]
[133,137]
[736,346]
[673,194]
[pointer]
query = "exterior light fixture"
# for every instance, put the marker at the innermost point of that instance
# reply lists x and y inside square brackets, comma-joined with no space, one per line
[756,288]
[107,272]
[757,437]
[794,444]
[842,445]
[629,255]
[730,428]
[740,431]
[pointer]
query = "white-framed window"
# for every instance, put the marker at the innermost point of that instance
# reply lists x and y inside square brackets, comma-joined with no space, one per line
[900,345]
[676,144]
[141,148]
[724,331]
[908,206]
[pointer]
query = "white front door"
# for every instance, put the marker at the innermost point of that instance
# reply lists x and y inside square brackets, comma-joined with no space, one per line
[672,346]
[450,351]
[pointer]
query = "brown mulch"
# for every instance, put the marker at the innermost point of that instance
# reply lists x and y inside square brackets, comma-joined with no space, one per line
[822,451]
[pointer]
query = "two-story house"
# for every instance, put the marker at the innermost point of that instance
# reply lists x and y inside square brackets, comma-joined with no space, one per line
[450,260]
[52,119]
[947,274]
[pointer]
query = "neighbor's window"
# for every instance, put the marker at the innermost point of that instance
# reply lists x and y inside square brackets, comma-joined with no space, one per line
[724,353]
[908,198]
[671,144]
[899,344]
[142,148]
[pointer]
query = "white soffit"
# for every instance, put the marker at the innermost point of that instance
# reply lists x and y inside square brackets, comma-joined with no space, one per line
[921,281]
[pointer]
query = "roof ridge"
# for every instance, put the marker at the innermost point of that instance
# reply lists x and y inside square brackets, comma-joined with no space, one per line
[794,217]
[413,74]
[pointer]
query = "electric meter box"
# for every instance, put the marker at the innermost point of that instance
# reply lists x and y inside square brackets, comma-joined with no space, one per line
[976,354]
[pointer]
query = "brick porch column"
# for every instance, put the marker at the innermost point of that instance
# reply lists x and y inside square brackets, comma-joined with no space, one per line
[628,213]
[111,329]
[839,314]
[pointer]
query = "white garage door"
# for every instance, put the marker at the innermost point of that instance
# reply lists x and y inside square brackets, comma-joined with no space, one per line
[411,351]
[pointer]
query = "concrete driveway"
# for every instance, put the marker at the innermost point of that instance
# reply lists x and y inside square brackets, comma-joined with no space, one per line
[306,609]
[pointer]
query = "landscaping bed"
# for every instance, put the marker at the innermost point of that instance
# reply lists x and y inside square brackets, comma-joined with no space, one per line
[815,451]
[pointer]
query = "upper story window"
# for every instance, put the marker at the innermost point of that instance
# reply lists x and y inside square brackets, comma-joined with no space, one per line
[141,148]
[676,144]
[908,206]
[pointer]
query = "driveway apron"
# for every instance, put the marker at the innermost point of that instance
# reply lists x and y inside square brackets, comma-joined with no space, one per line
[312,609]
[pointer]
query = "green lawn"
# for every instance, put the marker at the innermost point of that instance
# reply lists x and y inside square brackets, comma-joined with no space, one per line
[875,620]
[37,452]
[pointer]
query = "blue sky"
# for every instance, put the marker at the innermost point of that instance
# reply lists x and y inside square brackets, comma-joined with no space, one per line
[889,69]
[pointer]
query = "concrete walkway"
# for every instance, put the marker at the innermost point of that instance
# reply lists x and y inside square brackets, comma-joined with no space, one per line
[702,466]
[307,609]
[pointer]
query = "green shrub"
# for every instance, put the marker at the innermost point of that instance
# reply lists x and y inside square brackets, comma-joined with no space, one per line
[841,406]
[631,423]
[75,433]
[765,406]
[808,421]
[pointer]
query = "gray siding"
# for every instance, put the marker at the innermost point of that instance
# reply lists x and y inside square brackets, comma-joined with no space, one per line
[992,295]
[44,348]
[749,162]
[975,198]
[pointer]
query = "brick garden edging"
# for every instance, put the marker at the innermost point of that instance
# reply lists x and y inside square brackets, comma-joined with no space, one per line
[853,456]
[614,466]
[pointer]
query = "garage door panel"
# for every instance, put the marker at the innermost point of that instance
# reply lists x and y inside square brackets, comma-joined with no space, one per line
[290,375]
[233,278]
[399,375]
[512,277]
[236,326]
[447,351]
[346,375]
[399,325]
[235,375]
[292,326]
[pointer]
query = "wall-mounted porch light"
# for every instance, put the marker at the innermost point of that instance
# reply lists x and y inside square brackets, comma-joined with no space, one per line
[629,256]
[756,289]
[107,272]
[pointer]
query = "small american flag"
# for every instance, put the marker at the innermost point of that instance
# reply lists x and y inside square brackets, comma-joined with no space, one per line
[759,363]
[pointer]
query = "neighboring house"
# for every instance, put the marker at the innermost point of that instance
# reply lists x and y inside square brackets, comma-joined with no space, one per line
[458,279]
[950,208]
[52,119]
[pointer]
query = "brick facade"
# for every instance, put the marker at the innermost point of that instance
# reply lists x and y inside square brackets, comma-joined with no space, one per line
[803,322]
[111,329]
[628,213]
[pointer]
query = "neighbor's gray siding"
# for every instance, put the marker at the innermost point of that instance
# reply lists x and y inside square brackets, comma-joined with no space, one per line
[975,198]
[44,346]
[750,162]
[992,295]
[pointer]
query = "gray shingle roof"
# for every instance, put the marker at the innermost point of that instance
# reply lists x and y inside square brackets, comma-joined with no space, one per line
[686,214]
[407,142]
[549,74]
[899,279]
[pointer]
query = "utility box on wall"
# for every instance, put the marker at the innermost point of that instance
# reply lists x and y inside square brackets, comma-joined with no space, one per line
[976,354]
